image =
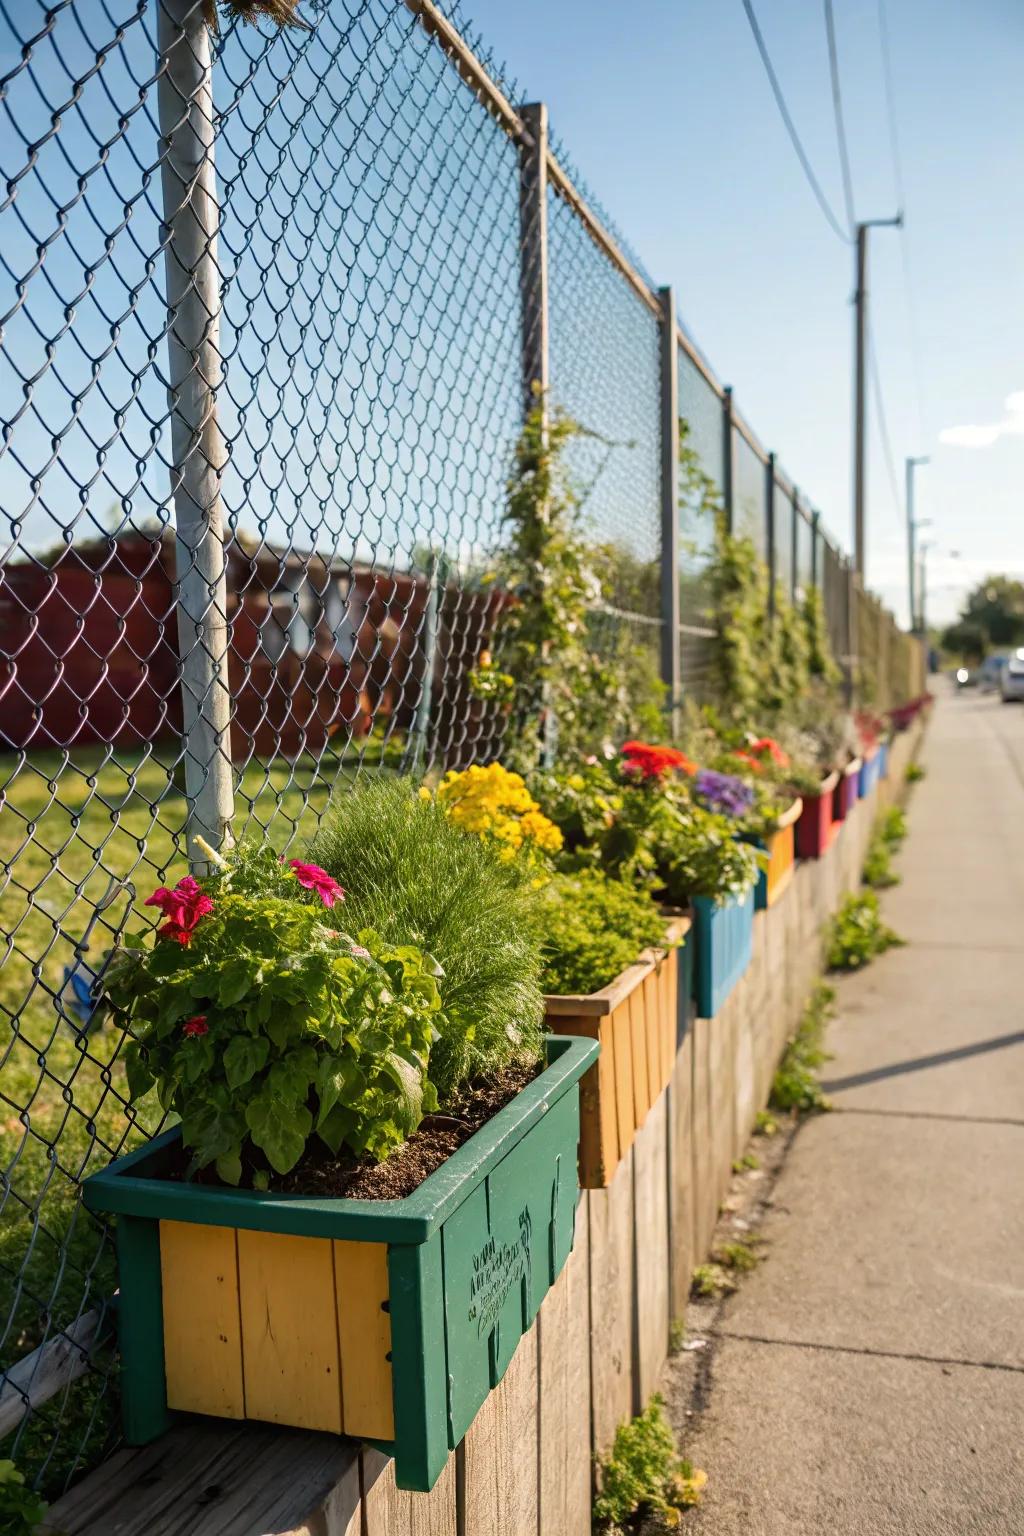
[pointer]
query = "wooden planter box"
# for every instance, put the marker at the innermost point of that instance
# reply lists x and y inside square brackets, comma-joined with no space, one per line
[867,779]
[386,1320]
[724,937]
[773,879]
[816,827]
[845,793]
[635,1019]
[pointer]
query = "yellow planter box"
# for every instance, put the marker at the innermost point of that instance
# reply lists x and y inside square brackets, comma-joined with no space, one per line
[634,1019]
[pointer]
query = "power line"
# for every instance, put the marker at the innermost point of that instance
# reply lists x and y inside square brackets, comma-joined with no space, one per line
[780,102]
[880,417]
[900,186]
[837,108]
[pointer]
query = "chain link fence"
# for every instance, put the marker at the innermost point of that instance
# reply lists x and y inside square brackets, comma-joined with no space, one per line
[273,300]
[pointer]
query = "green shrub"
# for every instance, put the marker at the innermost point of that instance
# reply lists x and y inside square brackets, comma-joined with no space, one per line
[409,871]
[858,934]
[644,1474]
[712,1280]
[795,1087]
[915,773]
[21,1510]
[593,928]
[878,871]
[894,825]
[261,1024]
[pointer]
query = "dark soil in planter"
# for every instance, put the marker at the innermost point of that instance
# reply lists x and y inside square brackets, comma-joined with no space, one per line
[322,1175]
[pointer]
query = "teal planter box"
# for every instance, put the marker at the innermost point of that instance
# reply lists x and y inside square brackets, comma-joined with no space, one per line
[870,770]
[724,941]
[386,1320]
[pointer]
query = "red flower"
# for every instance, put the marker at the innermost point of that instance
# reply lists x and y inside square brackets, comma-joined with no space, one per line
[183,907]
[316,879]
[768,746]
[196,1026]
[745,757]
[641,760]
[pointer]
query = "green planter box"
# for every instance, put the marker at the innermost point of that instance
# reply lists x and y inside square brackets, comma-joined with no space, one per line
[386,1320]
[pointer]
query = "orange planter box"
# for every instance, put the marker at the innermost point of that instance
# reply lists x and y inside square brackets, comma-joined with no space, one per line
[634,1019]
[781,849]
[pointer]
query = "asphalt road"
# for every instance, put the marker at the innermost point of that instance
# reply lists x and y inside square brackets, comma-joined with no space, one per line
[868,1378]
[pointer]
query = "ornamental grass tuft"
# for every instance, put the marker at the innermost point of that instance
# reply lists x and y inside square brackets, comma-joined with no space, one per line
[408,871]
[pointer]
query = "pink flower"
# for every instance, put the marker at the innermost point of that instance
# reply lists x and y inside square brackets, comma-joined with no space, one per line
[316,879]
[196,1026]
[183,907]
[360,952]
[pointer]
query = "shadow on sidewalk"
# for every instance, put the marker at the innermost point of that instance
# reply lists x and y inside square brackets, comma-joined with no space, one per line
[920,1063]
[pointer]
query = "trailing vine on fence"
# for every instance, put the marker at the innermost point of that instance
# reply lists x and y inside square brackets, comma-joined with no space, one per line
[568,680]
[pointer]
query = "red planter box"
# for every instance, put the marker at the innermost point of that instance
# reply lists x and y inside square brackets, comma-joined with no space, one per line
[844,795]
[816,829]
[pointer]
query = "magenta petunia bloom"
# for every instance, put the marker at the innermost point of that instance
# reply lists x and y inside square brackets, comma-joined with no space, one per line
[316,879]
[183,907]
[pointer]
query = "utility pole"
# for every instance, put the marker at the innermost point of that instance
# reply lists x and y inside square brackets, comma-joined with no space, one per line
[860,366]
[911,537]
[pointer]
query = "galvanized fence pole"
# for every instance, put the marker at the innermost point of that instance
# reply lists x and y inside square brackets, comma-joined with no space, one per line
[195,369]
[728,457]
[795,519]
[816,580]
[769,520]
[671,665]
[533,290]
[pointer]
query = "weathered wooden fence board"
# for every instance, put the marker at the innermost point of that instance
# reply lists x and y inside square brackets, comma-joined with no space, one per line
[611,1304]
[650,1249]
[500,1481]
[681,1212]
[563,1404]
[390,1511]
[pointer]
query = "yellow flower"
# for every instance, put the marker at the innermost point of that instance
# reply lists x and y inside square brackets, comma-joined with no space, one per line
[576,781]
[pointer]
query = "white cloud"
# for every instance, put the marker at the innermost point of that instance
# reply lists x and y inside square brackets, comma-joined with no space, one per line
[1011,424]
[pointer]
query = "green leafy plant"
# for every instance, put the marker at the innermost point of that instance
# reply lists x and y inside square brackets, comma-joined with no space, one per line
[915,773]
[711,1280]
[411,873]
[21,1509]
[739,1256]
[644,1475]
[878,872]
[795,1086]
[857,934]
[676,1335]
[821,663]
[565,686]
[261,1024]
[748,1163]
[893,826]
[593,928]
[765,1123]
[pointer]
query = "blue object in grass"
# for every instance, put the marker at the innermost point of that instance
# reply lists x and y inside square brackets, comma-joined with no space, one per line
[724,937]
[78,995]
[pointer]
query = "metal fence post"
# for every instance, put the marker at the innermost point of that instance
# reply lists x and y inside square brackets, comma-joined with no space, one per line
[795,519]
[533,290]
[190,224]
[815,556]
[769,520]
[728,457]
[671,669]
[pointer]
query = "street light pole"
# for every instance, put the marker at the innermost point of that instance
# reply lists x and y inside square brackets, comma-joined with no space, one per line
[860,369]
[911,531]
[923,594]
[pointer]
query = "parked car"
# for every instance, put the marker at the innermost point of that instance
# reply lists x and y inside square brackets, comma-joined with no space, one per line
[991,671]
[1011,682]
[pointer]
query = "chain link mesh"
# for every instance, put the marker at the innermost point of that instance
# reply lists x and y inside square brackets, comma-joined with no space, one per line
[257,424]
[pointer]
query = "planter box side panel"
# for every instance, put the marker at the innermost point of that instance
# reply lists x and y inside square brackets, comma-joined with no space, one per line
[816,827]
[502,1250]
[724,940]
[773,880]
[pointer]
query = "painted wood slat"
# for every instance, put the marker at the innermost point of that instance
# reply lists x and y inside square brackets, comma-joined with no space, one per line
[202,1326]
[638,1038]
[624,1108]
[564,1401]
[364,1335]
[289,1330]
[654,1007]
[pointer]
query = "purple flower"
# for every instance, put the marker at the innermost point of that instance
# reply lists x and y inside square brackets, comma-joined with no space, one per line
[723,792]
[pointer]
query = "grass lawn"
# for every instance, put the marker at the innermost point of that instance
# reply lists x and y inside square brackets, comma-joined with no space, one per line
[67,825]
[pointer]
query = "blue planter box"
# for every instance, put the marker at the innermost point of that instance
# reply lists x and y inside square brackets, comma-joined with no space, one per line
[868,777]
[883,760]
[724,938]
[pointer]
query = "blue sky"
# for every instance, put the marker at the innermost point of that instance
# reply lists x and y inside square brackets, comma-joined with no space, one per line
[667,112]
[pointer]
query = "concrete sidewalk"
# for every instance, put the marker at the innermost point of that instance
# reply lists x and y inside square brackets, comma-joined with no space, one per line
[869,1376]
